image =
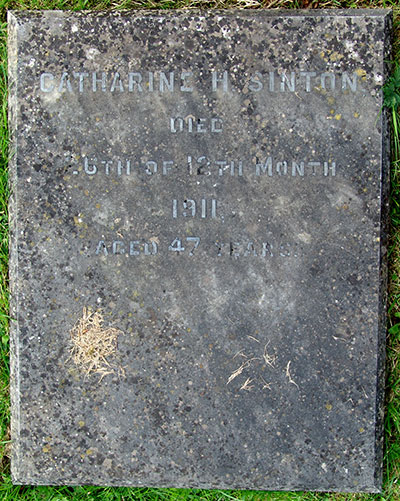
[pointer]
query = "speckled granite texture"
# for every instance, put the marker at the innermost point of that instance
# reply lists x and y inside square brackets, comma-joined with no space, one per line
[215,183]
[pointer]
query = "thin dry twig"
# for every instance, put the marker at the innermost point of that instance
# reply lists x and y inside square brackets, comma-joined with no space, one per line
[237,372]
[269,359]
[92,344]
[266,386]
[289,376]
[239,353]
[246,385]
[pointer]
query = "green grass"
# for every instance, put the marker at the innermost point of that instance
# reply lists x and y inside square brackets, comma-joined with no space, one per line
[4,365]
[392,420]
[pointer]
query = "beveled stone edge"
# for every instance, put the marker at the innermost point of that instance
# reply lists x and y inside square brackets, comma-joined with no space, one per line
[136,13]
[12,42]
[383,262]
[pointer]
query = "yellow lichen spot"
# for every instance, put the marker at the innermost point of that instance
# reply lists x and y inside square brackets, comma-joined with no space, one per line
[46,448]
[356,115]
[81,423]
[361,430]
[189,329]
[328,406]
[331,100]
[338,116]
[322,54]
[360,72]
[98,119]
[86,192]
[98,206]
[332,112]
[89,452]
[335,56]
[79,221]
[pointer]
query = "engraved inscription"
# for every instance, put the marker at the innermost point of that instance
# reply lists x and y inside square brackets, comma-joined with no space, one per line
[194,165]
[166,82]
[176,245]
[192,124]
[266,164]
[131,248]
[193,245]
[189,208]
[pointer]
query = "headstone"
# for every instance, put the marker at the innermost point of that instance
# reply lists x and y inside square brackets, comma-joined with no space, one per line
[198,214]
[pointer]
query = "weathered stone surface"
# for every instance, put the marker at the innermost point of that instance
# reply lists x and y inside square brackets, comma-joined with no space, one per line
[241,257]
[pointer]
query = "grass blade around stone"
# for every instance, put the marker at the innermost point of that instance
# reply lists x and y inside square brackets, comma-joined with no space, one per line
[4,317]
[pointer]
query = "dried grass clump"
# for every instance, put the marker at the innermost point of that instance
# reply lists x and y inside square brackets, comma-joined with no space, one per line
[92,344]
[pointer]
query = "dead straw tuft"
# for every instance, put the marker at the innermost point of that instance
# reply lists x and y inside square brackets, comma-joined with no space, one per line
[92,344]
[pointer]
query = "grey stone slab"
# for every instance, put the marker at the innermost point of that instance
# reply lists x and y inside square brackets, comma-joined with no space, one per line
[215,185]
